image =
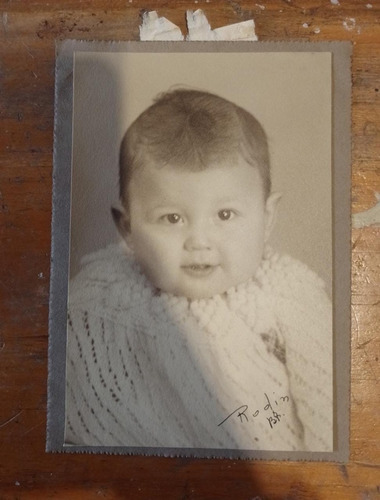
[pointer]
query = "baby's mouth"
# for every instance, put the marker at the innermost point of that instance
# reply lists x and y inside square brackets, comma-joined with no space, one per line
[199,269]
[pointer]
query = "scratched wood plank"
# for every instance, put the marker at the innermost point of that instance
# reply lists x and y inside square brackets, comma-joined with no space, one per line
[27,34]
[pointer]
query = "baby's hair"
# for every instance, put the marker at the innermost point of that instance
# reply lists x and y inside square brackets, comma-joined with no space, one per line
[193,130]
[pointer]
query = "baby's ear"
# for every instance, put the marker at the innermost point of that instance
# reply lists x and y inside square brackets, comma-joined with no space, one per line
[121,220]
[271,212]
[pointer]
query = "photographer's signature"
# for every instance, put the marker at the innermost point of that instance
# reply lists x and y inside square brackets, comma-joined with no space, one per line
[272,410]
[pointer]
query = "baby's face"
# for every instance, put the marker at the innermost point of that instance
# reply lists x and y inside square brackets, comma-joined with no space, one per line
[197,234]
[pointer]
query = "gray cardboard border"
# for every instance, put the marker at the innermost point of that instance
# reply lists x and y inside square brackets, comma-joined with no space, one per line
[341,61]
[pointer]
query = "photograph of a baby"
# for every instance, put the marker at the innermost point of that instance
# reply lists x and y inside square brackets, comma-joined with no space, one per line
[192,331]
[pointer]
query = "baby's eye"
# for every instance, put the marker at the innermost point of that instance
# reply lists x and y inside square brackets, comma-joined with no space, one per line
[172,218]
[225,214]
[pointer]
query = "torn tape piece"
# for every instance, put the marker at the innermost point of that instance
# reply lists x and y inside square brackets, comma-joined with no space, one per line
[239,31]
[158,28]
[370,217]
[200,30]
[198,26]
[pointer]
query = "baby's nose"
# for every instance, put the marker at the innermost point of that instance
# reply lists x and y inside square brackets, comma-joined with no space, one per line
[198,237]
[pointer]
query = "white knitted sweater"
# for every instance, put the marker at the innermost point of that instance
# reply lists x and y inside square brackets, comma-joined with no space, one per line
[251,369]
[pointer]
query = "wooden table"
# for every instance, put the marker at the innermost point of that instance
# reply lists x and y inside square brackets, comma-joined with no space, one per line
[28,31]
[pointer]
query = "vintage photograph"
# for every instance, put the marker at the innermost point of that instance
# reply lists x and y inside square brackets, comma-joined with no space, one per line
[198,266]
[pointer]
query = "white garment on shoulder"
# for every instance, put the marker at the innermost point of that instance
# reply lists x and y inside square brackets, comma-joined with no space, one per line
[150,369]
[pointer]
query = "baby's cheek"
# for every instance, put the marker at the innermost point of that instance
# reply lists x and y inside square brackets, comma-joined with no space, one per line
[245,257]
[145,239]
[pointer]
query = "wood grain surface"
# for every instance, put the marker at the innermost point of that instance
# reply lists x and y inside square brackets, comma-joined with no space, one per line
[28,30]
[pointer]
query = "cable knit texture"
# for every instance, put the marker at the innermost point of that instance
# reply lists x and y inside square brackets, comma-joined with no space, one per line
[249,369]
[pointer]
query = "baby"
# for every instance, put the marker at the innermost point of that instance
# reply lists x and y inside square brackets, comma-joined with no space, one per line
[192,333]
